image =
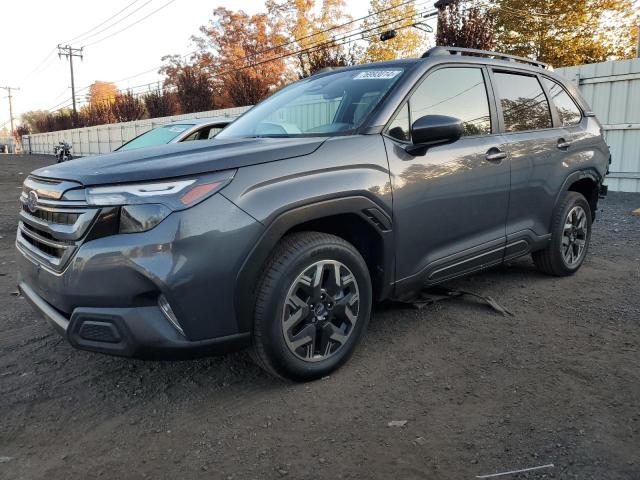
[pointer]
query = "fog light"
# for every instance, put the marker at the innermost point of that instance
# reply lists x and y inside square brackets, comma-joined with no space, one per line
[163,303]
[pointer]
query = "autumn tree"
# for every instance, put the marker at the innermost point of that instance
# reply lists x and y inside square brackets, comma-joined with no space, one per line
[314,32]
[566,32]
[192,82]
[240,52]
[100,92]
[34,119]
[160,103]
[21,130]
[97,113]
[466,24]
[126,107]
[392,15]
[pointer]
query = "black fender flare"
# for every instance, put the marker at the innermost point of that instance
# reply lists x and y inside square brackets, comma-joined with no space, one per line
[572,178]
[251,268]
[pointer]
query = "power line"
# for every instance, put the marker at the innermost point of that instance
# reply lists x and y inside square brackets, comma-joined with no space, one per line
[275,47]
[314,47]
[100,24]
[131,25]
[330,44]
[117,22]
[43,65]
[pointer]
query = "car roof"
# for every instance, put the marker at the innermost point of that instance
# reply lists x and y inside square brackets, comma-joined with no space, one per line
[204,121]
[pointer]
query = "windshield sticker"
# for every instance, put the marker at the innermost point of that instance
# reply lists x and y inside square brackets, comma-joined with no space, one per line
[377,74]
[177,129]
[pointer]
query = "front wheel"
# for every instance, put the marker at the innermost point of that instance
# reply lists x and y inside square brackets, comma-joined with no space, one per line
[313,305]
[570,235]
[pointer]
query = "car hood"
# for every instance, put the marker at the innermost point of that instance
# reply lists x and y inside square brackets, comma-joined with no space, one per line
[179,159]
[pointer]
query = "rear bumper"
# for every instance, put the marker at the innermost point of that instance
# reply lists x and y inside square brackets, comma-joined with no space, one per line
[138,332]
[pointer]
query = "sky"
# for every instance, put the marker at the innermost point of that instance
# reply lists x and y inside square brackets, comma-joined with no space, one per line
[31,30]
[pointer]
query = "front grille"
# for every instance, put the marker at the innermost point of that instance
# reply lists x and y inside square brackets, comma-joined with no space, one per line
[49,216]
[51,226]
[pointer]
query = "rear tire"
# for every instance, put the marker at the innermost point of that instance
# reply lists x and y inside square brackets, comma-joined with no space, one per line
[570,235]
[313,304]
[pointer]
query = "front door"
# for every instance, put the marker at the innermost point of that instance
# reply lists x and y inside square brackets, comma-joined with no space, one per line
[449,205]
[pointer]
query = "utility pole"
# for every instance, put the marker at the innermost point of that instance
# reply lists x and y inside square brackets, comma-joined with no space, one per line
[71,52]
[638,45]
[8,89]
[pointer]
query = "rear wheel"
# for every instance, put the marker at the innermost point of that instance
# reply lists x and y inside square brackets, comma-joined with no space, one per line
[570,235]
[313,306]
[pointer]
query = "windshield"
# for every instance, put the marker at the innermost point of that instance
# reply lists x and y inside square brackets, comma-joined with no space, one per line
[157,136]
[334,104]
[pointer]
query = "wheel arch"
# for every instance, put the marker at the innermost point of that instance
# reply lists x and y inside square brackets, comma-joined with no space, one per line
[356,219]
[586,182]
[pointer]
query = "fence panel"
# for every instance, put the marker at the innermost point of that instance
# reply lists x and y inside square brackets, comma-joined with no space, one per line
[613,91]
[105,138]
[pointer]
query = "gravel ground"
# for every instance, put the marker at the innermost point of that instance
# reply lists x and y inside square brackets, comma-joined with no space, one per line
[558,383]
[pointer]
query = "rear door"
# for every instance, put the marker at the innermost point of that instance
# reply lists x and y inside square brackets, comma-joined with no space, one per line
[537,146]
[449,205]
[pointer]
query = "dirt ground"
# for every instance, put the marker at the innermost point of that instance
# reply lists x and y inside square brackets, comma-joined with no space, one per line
[558,383]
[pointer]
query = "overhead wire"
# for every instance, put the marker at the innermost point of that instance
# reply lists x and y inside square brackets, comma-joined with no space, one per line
[132,24]
[314,47]
[100,24]
[116,23]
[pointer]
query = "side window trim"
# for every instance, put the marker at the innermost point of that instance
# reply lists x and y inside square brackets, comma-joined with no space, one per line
[493,101]
[501,69]
[555,117]
[551,102]
[385,131]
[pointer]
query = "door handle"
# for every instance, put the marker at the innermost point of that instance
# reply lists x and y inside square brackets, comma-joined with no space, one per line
[563,144]
[495,155]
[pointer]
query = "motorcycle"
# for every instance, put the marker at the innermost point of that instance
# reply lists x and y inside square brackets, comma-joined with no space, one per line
[62,151]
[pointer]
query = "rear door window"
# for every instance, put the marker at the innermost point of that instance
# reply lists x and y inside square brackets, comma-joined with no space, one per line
[524,104]
[567,109]
[456,92]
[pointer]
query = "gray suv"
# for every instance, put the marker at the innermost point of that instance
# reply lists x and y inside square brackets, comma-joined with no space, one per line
[343,189]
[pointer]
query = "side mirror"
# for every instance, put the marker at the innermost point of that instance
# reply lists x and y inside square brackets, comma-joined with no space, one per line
[433,130]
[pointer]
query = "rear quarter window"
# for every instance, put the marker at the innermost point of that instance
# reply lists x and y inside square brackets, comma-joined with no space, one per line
[567,109]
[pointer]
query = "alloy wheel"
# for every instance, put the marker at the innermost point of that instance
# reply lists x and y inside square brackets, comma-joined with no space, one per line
[320,310]
[574,236]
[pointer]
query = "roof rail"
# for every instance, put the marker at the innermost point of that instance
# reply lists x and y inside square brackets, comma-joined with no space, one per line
[438,51]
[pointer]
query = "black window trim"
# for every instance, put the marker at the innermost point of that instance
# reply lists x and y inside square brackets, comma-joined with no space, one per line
[491,99]
[555,123]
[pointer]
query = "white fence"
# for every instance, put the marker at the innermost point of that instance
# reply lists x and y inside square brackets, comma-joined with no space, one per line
[613,91]
[106,138]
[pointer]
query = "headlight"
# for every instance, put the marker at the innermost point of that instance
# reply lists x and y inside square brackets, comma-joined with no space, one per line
[145,205]
[176,194]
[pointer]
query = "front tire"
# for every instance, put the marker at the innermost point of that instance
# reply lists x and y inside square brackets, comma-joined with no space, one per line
[570,235]
[313,304]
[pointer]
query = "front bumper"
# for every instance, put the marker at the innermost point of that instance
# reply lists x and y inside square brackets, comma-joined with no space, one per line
[139,332]
[106,299]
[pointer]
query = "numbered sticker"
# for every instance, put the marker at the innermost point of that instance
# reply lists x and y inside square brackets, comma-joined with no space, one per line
[377,74]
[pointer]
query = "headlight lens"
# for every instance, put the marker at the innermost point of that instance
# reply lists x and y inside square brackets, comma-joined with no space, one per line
[176,194]
[145,205]
[140,218]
